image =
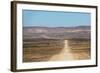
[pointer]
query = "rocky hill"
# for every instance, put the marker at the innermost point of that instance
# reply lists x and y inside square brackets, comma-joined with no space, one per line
[77,32]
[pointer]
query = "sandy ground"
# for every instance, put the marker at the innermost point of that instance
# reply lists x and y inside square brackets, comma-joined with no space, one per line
[71,51]
[65,54]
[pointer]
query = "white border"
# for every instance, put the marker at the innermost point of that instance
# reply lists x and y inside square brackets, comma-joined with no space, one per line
[21,65]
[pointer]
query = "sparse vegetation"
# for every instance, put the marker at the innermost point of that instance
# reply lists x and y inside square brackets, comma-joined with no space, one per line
[43,50]
[42,43]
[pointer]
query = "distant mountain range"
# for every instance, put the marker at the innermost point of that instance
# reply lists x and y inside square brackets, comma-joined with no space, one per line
[82,32]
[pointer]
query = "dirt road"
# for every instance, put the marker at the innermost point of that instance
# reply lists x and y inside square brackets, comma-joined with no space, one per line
[65,54]
[68,54]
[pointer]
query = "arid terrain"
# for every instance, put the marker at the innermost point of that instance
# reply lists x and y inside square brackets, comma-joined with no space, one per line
[56,44]
[57,50]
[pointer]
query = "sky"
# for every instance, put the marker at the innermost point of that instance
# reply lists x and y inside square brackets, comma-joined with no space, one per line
[55,18]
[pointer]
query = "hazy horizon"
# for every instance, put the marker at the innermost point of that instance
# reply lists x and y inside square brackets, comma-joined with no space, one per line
[58,26]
